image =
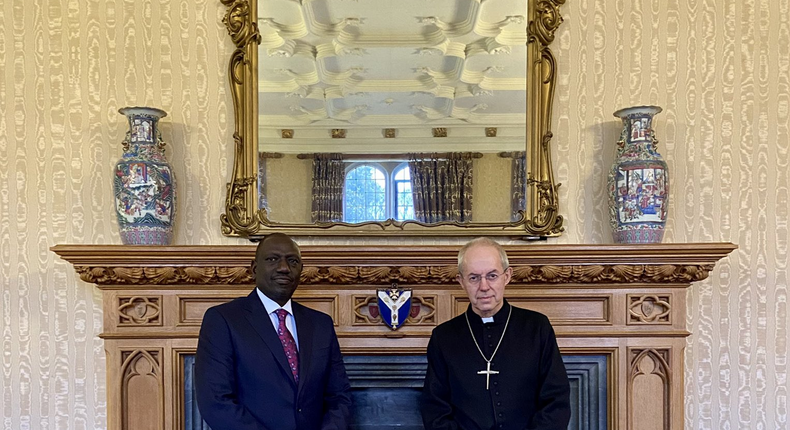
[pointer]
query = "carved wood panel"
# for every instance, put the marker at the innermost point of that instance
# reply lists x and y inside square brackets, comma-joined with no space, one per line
[423,311]
[649,385]
[139,310]
[142,389]
[649,308]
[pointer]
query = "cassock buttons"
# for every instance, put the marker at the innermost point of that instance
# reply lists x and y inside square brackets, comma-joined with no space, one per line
[500,415]
[499,403]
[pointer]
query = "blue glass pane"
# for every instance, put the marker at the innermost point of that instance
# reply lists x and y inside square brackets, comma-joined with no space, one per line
[365,195]
[404,204]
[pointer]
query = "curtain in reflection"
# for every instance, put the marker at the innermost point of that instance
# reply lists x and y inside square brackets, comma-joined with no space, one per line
[328,176]
[442,187]
[518,194]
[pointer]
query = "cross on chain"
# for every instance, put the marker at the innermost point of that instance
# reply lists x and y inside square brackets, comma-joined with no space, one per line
[488,372]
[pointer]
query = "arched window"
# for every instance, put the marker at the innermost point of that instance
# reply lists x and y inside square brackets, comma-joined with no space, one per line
[365,194]
[376,192]
[404,203]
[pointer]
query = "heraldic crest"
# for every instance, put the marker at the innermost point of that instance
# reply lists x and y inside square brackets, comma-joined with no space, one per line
[394,306]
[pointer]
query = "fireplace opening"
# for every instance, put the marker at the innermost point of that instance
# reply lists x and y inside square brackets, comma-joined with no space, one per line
[386,391]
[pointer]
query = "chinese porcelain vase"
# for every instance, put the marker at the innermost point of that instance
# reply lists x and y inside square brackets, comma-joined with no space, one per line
[638,181]
[143,183]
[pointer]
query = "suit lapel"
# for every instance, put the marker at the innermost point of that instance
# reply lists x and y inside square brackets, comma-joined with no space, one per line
[260,321]
[305,329]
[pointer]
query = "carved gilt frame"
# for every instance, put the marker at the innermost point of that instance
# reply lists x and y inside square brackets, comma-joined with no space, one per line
[542,215]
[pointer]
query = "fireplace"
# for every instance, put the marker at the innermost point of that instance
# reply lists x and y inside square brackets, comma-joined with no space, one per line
[619,312]
[386,389]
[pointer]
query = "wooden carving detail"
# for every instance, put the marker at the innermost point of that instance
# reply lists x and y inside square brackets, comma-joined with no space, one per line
[594,274]
[423,310]
[165,275]
[379,275]
[649,309]
[649,383]
[241,275]
[139,311]
[142,389]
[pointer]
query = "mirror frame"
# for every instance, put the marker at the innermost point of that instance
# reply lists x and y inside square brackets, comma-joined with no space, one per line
[541,218]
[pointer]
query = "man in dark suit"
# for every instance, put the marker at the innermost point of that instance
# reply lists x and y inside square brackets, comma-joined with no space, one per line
[495,366]
[266,362]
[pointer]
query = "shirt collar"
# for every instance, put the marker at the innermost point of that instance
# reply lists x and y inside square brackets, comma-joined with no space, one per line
[499,318]
[271,305]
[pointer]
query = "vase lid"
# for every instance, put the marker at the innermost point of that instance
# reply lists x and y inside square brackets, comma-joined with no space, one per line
[142,110]
[626,112]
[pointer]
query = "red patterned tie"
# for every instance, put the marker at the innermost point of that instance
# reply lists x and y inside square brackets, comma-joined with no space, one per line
[289,345]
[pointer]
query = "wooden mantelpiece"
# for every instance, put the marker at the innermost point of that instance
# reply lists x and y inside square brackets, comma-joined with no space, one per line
[625,302]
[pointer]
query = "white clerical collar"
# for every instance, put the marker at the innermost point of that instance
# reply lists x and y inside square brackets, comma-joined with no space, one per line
[271,305]
[487,320]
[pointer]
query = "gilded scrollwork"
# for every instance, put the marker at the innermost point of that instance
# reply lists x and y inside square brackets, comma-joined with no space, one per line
[547,20]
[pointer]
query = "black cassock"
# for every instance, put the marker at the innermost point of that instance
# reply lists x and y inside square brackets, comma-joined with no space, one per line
[531,390]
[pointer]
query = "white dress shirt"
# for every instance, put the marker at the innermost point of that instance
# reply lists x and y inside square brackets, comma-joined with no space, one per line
[271,307]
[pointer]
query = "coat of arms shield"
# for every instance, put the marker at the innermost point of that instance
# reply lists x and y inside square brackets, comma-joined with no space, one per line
[394,306]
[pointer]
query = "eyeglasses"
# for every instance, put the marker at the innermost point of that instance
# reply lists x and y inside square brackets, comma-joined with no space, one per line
[474,279]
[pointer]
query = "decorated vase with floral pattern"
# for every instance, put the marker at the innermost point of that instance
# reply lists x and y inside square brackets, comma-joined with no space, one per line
[638,181]
[143,184]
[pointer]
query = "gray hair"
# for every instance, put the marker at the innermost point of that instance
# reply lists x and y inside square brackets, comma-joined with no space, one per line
[483,242]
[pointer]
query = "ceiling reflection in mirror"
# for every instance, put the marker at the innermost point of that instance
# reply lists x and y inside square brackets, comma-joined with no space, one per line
[380,81]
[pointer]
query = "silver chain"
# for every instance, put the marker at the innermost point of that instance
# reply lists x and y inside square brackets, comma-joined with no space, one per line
[488,360]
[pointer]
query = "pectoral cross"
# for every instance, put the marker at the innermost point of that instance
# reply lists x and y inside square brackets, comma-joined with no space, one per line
[488,372]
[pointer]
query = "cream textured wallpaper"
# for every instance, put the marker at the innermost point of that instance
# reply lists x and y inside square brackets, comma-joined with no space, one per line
[719,68]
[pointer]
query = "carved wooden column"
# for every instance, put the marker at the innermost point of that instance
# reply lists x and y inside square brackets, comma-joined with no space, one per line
[626,303]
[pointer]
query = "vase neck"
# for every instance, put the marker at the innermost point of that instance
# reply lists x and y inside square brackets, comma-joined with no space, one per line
[143,129]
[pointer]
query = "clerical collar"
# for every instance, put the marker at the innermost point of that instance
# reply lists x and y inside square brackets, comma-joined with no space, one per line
[500,317]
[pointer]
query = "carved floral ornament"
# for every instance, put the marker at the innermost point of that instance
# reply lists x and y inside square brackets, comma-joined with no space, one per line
[423,311]
[649,308]
[139,310]
[522,274]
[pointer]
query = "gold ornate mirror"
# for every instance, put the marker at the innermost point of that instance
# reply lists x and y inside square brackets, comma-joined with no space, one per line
[374,90]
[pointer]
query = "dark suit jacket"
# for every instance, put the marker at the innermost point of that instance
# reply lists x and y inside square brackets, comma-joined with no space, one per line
[243,381]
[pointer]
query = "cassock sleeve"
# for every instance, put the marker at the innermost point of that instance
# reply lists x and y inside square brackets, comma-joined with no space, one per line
[215,379]
[554,408]
[437,413]
[337,395]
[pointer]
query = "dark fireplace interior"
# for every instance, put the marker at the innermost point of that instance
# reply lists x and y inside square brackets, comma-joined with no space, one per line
[386,392]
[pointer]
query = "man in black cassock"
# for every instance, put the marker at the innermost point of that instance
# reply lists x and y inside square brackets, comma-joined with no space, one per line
[495,366]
